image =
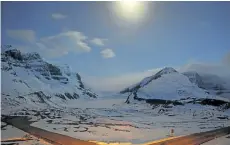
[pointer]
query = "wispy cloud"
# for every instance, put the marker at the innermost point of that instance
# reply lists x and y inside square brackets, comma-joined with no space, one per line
[107,53]
[22,35]
[58,16]
[59,44]
[52,46]
[99,41]
[63,43]
[211,68]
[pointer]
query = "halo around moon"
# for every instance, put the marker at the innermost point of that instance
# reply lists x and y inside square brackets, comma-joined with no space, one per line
[130,11]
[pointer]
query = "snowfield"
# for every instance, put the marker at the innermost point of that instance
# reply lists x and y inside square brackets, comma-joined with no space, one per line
[133,123]
[59,101]
[171,87]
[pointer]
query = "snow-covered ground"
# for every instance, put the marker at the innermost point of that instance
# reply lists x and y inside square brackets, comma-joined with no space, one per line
[58,101]
[112,120]
[224,140]
[9,133]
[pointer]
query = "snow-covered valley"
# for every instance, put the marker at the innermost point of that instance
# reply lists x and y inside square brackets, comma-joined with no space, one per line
[112,120]
[57,100]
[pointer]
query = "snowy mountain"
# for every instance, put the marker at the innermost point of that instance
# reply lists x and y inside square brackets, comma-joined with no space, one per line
[29,79]
[146,80]
[195,78]
[213,84]
[168,85]
[206,81]
[57,100]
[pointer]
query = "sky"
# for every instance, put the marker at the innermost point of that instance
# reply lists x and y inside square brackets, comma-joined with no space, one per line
[96,41]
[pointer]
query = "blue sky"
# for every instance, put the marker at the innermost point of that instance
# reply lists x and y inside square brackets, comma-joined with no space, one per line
[86,35]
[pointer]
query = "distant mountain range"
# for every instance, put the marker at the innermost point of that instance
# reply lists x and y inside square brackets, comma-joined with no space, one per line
[30,81]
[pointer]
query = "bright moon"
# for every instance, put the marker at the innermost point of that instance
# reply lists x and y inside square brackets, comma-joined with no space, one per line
[130,10]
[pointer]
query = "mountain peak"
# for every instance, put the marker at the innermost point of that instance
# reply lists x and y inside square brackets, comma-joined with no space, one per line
[164,71]
[18,55]
[14,53]
[28,73]
[167,70]
[147,80]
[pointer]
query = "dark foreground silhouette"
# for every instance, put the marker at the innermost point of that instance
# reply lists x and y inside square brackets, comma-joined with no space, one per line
[23,123]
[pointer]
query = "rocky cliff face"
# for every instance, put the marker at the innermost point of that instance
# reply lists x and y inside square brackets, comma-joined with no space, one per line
[27,78]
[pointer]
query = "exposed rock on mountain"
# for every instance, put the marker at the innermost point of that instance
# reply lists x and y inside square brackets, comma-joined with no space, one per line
[171,87]
[27,78]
